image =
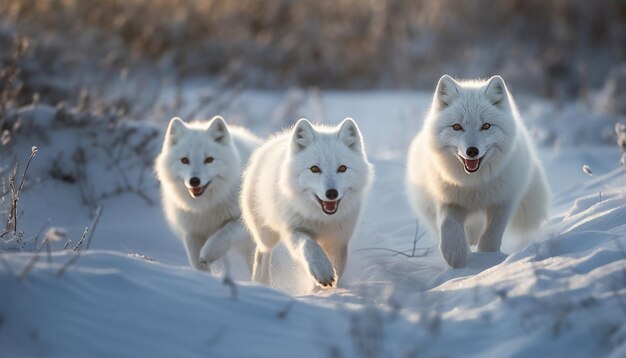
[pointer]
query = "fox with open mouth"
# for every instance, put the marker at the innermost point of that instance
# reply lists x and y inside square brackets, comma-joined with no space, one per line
[199,169]
[305,187]
[473,169]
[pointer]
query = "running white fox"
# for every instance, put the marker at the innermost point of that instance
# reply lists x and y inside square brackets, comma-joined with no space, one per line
[473,167]
[305,187]
[200,173]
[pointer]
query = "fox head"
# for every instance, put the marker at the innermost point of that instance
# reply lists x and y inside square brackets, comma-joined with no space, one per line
[327,167]
[472,125]
[199,158]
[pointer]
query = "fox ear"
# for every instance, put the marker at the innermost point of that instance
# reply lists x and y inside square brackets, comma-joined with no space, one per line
[447,91]
[350,135]
[218,130]
[303,135]
[175,130]
[496,92]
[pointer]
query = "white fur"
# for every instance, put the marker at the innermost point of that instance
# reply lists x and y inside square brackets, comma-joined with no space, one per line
[210,223]
[509,184]
[278,197]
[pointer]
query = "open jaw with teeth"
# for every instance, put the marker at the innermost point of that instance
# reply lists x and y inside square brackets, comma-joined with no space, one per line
[198,190]
[328,207]
[471,165]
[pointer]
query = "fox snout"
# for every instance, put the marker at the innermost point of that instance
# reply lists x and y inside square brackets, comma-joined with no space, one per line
[329,202]
[472,152]
[471,159]
[332,194]
[196,187]
[469,152]
[194,182]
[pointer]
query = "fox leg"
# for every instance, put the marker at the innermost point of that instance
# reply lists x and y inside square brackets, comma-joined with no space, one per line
[264,240]
[193,243]
[218,244]
[231,234]
[309,253]
[338,257]
[261,267]
[474,228]
[453,244]
[497,219]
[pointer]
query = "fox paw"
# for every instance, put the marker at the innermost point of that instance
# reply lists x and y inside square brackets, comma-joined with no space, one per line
[455,258]
[212,250]
[207,259]
[324,276]
[321,268]
[454,248]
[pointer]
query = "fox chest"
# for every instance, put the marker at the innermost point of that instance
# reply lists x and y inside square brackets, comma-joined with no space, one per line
[204,223]
[481,196]
[337,233]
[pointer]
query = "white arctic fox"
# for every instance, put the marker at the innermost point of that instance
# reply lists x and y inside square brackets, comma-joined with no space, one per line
[306,187]
[200,173]
[474,160]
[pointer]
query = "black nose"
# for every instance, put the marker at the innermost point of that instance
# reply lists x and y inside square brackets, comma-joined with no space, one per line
[195,181]
[472,152]
[332,194]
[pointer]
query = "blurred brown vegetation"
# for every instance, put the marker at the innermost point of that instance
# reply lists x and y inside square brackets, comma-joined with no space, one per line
[554,47]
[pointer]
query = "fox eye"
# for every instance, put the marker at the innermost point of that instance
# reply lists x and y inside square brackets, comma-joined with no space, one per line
[485,126]
[184,160]
[457,127]
[208,160]
[342,169]
[315,169]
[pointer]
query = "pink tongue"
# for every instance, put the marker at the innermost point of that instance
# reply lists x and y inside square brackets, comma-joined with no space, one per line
[196,190]
[472,164]
[329,206]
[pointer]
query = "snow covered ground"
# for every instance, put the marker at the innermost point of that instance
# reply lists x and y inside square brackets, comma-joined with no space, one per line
[562,292]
